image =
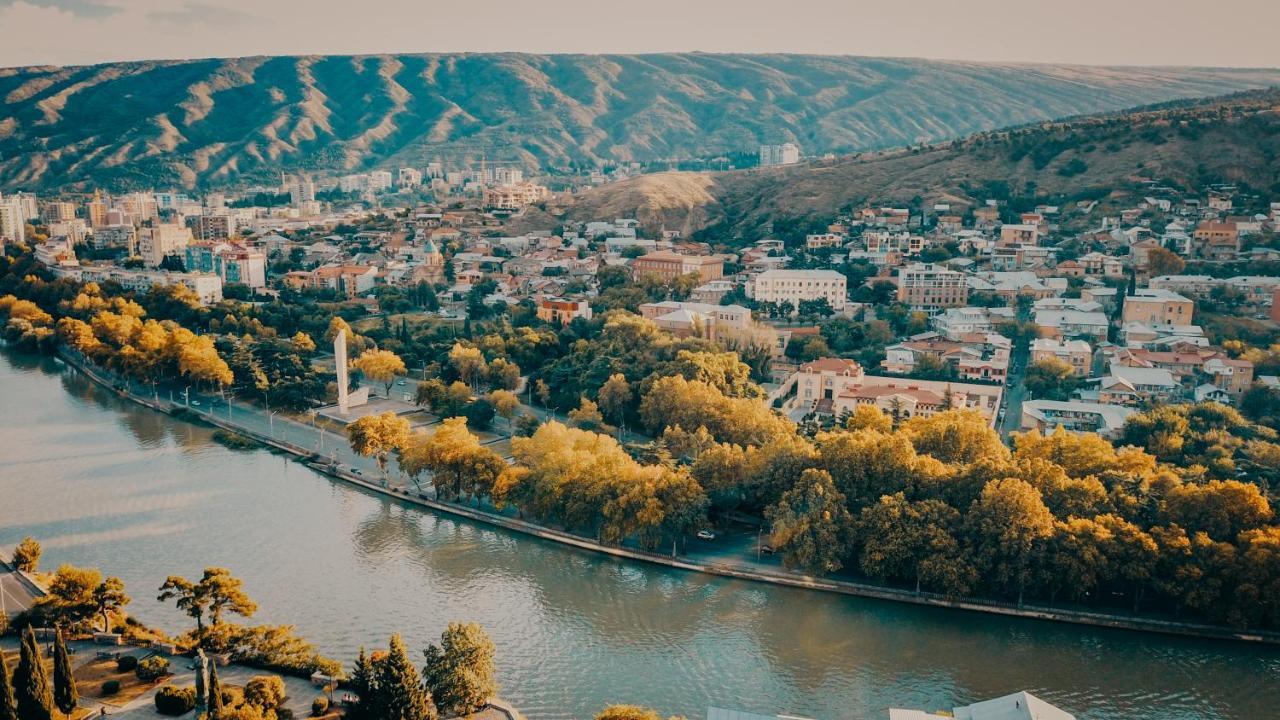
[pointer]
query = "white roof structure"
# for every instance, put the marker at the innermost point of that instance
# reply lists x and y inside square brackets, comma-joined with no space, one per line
[1018,706]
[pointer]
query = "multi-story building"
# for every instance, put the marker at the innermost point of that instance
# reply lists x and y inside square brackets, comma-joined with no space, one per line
[1216,240]
[968,324]
[207,286]
[1158,307]
[349,280]
[13,221]
[784,154]
[824,240]
[95,211]
[1075,416]
[1089,325]
[668,266]
[210,228]
[379,180]
[1019,235]
[793,286]
[233,263]
[928,287]
[116,236]
[563,312]
[700,319]
[408,178]
[58,211]
[163,239]
[514,197]
[1075,353]
[301,189]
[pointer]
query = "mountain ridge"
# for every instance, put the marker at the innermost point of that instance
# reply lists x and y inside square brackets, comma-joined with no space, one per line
[216,122]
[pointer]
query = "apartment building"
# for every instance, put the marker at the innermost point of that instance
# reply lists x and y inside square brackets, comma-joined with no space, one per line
[1019,234]
[13,221]
[793,286]
[211,228]
[514,197]
[930,287]
[206,286]
[701,319]
[1216,240]
[823,240]
[668,266]
[1153,306]
[784,154]
[563,312]
[1075,416]
[232,262]
[161,240]
[349,280]
[968,324]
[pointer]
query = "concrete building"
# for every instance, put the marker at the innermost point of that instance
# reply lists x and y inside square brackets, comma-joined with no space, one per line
[1158,307]
[784,154]
[1011,235]
[792,286]
[563,312]
[930,287]
[234,263]
[209,228]
[408,178]
[207,286]
[701,319]
[161,240]
[13,221]
[514,197]
[1074,416]
[669,265]
[1018,706]
[349,280]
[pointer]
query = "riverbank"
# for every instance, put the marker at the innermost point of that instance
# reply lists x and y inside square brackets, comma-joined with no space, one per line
[724,569]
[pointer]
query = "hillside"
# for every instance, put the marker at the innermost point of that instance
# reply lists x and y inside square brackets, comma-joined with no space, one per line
[1181,144]
[219,121]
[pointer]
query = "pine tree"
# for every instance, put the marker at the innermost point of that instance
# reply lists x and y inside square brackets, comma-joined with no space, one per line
[8,705]
[215,692]
[31,682]
[364,683]
[401,695]
[65,695]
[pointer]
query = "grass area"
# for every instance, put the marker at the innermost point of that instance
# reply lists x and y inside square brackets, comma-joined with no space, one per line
[414,320]
[234,440]
[93,673]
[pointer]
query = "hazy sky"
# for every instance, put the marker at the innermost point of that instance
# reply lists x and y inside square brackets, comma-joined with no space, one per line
[1135,32]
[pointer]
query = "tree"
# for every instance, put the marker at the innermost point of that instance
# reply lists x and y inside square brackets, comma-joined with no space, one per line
[215,693]
[377,436]
[1162,261]
[505,403]
[469,362]
[70,598]
[381,366]
[8,704]
[265,691]
[26,557]
[108,597]
[217,592]
[1051,379]
[1007,526]
[1222,509]
[460,671]
[31,682]
[65,695]
[457,461]
[614,398]
[503,374]
[303,343]
[869,417]
[401,695]
[588,417]
[627,712]
[811,524]
[904,540]
[955,436]
[364,681]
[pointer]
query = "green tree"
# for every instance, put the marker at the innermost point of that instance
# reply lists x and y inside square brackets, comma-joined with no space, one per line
[217,592]
[31,682]
[65,695]
[364,681]
[460,671]
[906,540]
[109,597]
[811,524]
[401,695]
[8,704]
[26,557]
[1051,379]
[378,436]
[215,693]
[1007,526]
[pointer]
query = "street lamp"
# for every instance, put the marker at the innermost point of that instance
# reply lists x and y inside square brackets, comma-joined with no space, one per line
[272,420]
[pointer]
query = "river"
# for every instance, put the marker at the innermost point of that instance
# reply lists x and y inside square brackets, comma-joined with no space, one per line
[104,483]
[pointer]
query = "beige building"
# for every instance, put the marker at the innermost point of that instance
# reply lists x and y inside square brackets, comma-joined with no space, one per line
[514,197]
[926,286]
[792,286]
[1158,307]
[1075,353]
[669,265]
[563,312]
[154,243]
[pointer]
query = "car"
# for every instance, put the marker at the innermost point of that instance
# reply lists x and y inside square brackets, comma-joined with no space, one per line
[401,382]
[356,471]
[196,403]
[706,535]
[768,549]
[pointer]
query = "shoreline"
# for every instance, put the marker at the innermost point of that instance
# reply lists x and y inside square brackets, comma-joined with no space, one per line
[842,587]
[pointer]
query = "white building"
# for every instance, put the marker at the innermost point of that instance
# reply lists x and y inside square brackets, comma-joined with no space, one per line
[13,221]
[784,154]
[205,285]
[792,286]
[379,180]
[408,178]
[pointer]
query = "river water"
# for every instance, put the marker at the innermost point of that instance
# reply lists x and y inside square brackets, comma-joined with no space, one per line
[104,483]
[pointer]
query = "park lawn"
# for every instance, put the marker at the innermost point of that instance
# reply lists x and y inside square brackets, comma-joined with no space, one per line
[92,674]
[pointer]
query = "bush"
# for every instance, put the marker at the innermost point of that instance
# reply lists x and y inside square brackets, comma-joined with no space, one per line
[172,700]
[153,668]
[265,691]
[320,706]
[126,663]
[110,687]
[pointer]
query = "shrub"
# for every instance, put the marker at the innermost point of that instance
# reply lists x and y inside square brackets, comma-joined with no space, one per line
[126,663]
[265,691]
[153,668]
[320,706]
[172,700]
[110,687]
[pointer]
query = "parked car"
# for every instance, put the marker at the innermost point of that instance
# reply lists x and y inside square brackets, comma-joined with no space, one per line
[400,382]
[196,403]
[768,549]
[706,535]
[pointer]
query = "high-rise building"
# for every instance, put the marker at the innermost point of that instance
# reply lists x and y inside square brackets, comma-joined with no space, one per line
[379,180]
[214,227]
[508,176]
[409,178]
[301,189]
[58,211]
[13,223]
[928,287]
[95,211]
[784,154]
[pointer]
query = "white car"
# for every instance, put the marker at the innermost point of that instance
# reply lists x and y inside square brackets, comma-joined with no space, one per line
[706,535]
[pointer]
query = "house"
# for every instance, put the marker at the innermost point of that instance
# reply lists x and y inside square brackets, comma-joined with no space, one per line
[1133,385]
[968,324]
[930,287]
[1018,706]
[1075,353]
[699,319]
[1153,306]
[1072,324]
[563,312]
[1074,416]
[1216,240]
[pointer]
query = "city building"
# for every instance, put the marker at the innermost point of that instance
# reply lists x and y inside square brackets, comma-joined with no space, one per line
[562,312]
[1075,353]
[1018,706]
[1074,416]
[793,286]
[214,227]
[668,266]
[163,239]
[514,197]
[1216,240]
[233,263]
[1157,307]
[58,211]
[1011,235]
[930,287]
[712,322]
[409,178]
[13,221]
[95,211]
[206,286]
[784,154]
